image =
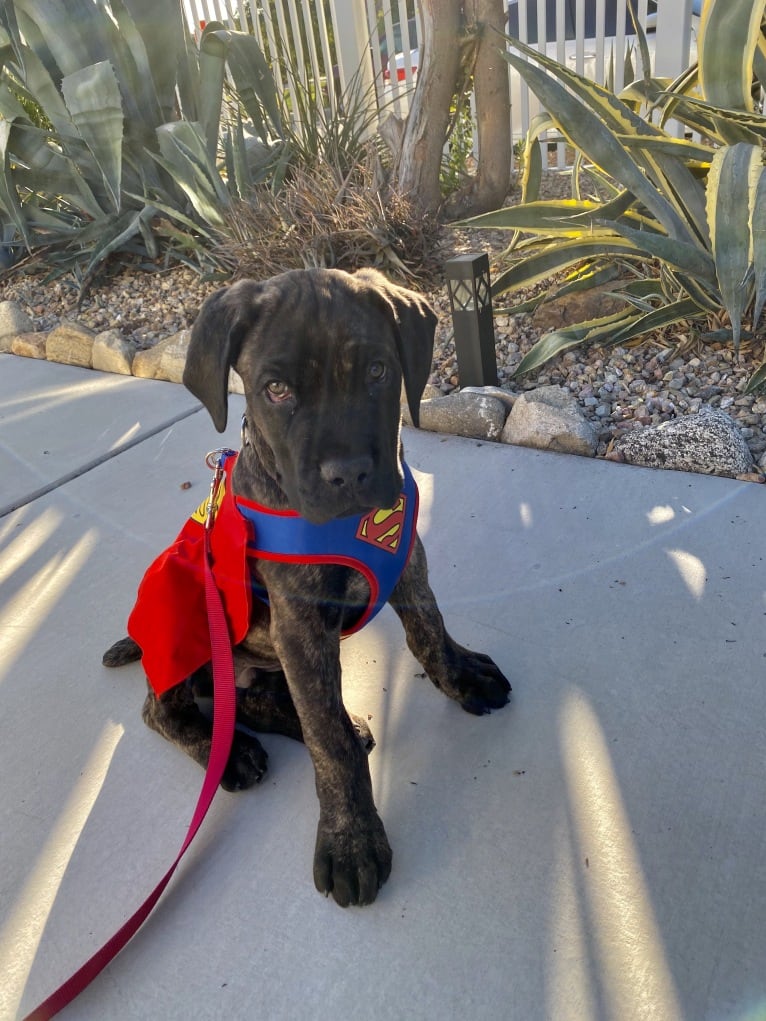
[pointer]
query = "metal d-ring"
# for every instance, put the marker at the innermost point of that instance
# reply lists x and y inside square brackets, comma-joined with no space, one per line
[214,459]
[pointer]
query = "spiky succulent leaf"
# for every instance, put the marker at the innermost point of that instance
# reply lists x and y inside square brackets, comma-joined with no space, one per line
[92,97]
[557,342]
[729,32]
[617,328]
[565,217]
[9,200]
[532,167]
[253,80]
[115,235]
[757,380]
[758,231]
[546,217]
[551,259]
[591,117]
[687,258]
[731,188]
[185,157]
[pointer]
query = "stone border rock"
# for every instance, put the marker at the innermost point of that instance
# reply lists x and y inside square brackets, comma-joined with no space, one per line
[546,418]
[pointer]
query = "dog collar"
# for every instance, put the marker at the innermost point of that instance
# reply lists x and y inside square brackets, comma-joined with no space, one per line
[169,619]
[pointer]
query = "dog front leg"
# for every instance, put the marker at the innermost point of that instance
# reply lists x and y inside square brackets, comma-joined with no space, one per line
[471,678]
[352,858]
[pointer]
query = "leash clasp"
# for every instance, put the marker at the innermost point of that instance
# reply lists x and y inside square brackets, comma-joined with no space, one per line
[215,461]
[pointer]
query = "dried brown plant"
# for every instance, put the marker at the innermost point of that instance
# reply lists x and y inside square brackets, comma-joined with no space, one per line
[319,220]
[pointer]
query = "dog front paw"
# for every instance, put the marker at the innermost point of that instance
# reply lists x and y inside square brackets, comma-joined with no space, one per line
[352,864]
[476,682]
[247,763]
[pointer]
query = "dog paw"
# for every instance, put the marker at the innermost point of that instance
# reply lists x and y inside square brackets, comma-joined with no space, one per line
[247,763]
[481,686]
[122,652]
[352,864]
[363,732]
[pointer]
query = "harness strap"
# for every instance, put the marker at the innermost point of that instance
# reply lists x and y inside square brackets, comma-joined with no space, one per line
[224,712]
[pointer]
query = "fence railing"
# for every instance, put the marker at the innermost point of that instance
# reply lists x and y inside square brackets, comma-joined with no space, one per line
[378,43]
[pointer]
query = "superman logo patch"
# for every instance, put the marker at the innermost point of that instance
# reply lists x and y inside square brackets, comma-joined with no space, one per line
[383,528]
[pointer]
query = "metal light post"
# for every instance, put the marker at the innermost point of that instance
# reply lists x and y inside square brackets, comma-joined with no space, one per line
[470,298]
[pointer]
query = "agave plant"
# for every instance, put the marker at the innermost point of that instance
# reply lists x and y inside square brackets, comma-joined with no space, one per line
[682,221]
[110,119]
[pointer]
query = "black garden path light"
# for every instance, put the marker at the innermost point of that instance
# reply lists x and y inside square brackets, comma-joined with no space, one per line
[470,298]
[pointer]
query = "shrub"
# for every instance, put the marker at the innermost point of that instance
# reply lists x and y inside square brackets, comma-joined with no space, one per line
[319,218]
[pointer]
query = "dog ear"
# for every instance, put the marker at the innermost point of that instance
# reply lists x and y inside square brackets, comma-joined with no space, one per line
[415,324]
[216,338]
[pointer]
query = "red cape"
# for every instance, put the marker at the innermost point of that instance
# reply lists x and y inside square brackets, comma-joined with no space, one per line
[169,620]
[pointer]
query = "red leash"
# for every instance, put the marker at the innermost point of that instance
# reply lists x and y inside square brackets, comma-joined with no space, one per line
[224,711]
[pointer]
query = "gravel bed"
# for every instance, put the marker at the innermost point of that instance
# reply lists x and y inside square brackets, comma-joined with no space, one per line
[617,388]
[624,387]
[144,306]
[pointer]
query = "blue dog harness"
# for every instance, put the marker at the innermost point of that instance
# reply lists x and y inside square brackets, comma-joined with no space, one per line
[377,544]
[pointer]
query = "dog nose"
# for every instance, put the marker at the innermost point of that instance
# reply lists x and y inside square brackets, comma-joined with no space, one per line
[346,473]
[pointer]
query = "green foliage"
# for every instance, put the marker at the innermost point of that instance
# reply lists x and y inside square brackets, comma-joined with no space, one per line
[109,126]
[119,134]
[684,219]
[317,135]
[459,148]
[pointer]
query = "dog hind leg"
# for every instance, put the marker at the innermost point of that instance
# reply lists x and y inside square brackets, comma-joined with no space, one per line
[122,652]
[267,707]
[177,717]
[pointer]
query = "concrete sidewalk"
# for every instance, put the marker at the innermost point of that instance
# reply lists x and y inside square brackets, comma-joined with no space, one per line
[593,852]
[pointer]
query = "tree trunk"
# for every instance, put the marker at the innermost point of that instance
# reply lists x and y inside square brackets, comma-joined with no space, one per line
[419,159]
[490,186]
[455,31]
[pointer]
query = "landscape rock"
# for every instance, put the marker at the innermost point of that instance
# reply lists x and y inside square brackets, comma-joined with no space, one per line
[165,360]
[549,418]
[464,414]
[576,307]
[429,393]
[708,442]
[146,363]
[508,398]
[29,345]
[70,344]
[13,321]
[173,358]
[112,353]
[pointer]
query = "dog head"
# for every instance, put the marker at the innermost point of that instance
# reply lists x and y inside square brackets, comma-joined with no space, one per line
[322,355]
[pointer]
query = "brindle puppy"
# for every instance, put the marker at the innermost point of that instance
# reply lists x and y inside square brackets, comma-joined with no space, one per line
[323,355]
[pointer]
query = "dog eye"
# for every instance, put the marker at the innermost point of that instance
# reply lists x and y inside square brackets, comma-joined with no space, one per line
[377,371]
[278,390]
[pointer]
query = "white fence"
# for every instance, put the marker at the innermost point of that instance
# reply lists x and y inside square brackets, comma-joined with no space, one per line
[377,41]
